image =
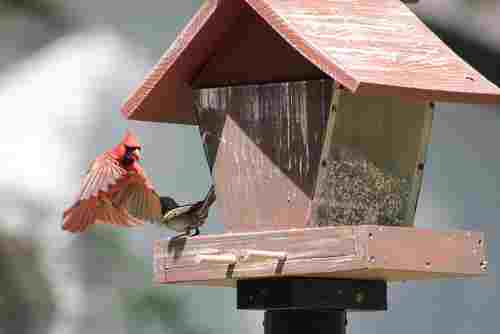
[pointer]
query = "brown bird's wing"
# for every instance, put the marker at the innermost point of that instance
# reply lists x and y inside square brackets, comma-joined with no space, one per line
[138,196]
[92,205]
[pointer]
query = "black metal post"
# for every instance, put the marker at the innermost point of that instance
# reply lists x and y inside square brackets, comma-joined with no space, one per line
[309,305]
[305,321]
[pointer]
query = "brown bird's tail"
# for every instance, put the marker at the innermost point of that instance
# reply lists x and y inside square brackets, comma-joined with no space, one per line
[207,202]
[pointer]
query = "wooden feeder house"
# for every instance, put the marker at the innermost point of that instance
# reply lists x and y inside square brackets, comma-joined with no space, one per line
[315,116]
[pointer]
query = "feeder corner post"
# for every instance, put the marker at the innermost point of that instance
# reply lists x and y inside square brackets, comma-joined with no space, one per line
[316,140]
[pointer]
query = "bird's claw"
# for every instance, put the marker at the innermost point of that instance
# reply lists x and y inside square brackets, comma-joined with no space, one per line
[179,236]
[188,234]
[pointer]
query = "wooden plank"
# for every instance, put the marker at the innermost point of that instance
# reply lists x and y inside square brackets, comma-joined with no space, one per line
[378,47]
[357,252]
[372,161]
[165,94]
[372,47]
[266,164]
[264,144]
[392,249]
[236,62]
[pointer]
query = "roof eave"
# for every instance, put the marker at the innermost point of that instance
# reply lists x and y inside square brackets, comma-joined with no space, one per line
[165,94]
[414,94]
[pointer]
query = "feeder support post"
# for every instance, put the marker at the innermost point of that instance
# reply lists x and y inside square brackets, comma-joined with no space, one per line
[309,305]
[305,321]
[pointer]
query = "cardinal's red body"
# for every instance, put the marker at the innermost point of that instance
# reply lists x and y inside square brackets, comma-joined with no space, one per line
[115,191]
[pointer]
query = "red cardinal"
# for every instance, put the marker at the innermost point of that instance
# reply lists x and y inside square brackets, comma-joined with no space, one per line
[114,191]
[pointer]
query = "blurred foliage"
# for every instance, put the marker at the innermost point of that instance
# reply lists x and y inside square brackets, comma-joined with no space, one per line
[26,300]
[154,308]
[479,5]
[147,308]
[46,10]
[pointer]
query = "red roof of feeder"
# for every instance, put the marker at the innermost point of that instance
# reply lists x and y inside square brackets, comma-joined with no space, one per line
[369,46]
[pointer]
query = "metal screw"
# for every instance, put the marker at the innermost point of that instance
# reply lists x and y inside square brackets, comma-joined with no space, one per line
[372,259]
[263,293]
[359,297]
[428,264]
[370,235]
[484,265]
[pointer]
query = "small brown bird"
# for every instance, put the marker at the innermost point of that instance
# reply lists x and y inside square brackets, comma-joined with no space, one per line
[186,219]
[114,191]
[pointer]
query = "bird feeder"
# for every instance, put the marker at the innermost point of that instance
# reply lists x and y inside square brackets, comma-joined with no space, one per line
[315,117]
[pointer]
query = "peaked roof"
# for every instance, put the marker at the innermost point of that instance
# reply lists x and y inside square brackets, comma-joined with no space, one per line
[369,46]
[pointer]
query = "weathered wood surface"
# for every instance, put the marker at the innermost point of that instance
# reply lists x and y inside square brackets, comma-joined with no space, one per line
[165,94]
[264,144]
[376,47]
[372,47]
[372,161]
[357,252]
[252,52]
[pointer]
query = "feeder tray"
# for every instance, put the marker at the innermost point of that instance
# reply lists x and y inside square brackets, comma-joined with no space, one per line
[357,252]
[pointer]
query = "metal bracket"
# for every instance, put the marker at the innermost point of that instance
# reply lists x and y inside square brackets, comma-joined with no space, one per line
[311,294]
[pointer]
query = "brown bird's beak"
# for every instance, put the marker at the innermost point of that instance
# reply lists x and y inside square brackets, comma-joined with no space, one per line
[137,154]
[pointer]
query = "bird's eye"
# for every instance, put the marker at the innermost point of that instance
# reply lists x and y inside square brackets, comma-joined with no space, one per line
[132,148]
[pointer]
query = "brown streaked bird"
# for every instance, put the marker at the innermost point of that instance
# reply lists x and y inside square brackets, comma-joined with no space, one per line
[114,191]
[186,219]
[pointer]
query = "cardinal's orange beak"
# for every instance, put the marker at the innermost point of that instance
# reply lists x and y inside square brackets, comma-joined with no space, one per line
[137,154]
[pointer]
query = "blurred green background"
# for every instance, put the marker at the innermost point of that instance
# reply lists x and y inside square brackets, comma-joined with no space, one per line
[65,69]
